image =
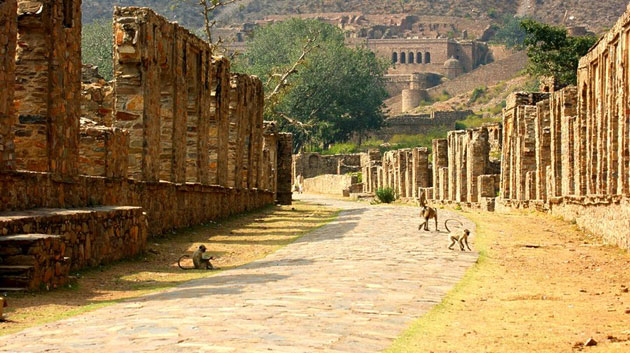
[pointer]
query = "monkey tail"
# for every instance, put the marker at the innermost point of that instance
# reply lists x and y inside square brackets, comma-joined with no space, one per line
[452,220]
[179,262]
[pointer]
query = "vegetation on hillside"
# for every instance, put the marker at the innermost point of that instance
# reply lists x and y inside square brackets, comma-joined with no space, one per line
[552,52]
[337,91]
[97,47]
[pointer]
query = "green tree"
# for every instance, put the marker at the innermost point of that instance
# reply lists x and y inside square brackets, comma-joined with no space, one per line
[552,52]
[335,91]
[510,32]
[97,46]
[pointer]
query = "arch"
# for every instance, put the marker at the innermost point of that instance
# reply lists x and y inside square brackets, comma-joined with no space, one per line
[394,58]
[411,58]
[427,58]
[403,57]
[419,57]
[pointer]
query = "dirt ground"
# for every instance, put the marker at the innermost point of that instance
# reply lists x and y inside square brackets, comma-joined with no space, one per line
[541,285]
[234,242]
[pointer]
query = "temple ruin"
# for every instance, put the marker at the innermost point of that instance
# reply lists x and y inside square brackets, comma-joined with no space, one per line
[85,178]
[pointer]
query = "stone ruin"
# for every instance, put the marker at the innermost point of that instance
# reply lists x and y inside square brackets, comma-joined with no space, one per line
[88,173]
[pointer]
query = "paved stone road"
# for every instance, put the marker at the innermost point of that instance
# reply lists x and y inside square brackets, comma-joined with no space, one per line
[351,286]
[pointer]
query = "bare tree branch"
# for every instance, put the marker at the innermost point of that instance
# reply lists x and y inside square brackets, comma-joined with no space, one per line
[283,82]
[207,10]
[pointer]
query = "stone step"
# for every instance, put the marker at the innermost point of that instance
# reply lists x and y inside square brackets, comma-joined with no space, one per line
[2,289]
[14,269]
[15,281]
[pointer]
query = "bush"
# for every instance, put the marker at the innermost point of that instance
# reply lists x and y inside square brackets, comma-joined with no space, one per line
[386,195]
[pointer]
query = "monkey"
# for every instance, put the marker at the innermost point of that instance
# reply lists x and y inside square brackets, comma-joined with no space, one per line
[461,238]
[199,260]
[453,220]
[428,213]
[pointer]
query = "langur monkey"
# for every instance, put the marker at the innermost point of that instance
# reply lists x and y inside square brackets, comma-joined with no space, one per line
[427,213]
[460,237]
[199,260]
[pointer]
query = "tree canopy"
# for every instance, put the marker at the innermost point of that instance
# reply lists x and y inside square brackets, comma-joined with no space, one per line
[335,91]
[552,52]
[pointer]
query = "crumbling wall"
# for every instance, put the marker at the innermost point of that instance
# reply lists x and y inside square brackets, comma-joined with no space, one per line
[406,171]
[103,151]
[370,163]
[48,84]
[312,164]
[8,37]
[331,184]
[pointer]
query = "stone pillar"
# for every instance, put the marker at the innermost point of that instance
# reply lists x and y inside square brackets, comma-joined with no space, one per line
[401,169]
[444,184]
[457,165]
[48,68]
[543,148]
[525,149]
[285,149]
[420,169]
[440,160]
[269,164]
[8,37]
[203,147]
[220,115]
[477,152]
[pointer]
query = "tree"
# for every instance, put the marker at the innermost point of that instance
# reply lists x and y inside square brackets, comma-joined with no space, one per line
[552,52]
[333,91]
[97,46]
[510,32]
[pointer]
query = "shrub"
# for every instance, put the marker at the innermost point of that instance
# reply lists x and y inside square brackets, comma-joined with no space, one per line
[386,195]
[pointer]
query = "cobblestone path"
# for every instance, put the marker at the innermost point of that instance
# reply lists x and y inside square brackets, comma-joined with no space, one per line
[350,286]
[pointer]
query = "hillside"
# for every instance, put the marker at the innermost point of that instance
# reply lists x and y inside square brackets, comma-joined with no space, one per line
[595,14]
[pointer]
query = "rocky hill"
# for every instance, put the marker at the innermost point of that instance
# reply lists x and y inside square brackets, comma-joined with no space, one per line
[595,14]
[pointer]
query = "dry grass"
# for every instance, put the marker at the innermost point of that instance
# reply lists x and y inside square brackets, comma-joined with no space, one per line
[541,285]
[235,242]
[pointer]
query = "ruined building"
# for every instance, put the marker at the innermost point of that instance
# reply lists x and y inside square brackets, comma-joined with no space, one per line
[182,143]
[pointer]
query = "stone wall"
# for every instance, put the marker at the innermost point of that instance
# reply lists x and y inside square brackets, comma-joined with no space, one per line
[330,184]
[168,205]
[312,164]
[570,150]
[418,124]
[90,236]
[406,171]
[8,37]
[370,163]
[48,84]
[103,151]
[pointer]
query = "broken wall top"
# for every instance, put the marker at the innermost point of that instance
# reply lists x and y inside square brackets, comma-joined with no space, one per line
[602,45]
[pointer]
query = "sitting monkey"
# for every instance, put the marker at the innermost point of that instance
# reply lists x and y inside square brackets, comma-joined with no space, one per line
[200,261]
[460,237]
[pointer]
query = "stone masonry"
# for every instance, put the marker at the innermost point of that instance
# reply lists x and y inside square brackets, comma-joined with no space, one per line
[580,139]
[158,160]
[8,37]
[48,84]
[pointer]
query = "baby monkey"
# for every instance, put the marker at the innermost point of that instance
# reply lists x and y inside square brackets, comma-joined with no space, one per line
[460,237]
[200,261]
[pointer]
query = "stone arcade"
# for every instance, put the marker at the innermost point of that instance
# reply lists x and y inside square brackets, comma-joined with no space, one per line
[184,144]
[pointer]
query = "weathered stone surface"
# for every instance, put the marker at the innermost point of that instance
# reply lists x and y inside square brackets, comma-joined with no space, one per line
[48,86]
[283,174]
[8,37]
[330,184]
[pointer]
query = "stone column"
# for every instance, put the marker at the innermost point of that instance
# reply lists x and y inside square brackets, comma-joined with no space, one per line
[543,148]
[8,37]
[48,66]
[220,114]
[420,169]
[285,149]
[478,158]
[440,160]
